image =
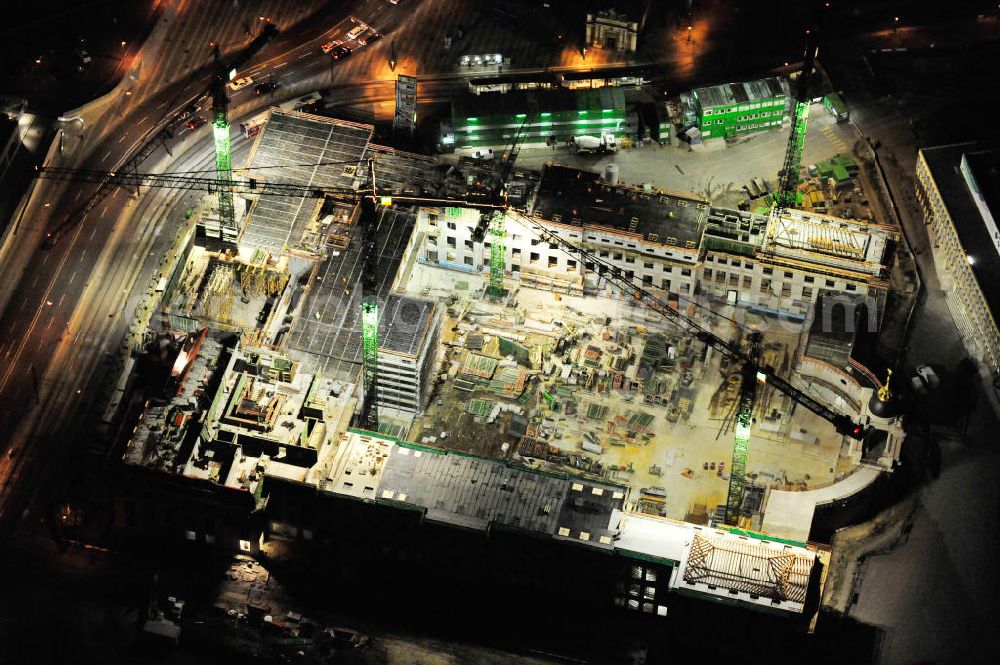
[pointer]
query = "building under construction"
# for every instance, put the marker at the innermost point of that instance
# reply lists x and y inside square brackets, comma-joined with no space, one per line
[545,420]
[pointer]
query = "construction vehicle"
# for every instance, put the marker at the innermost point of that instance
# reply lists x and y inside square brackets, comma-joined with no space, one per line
[606,143]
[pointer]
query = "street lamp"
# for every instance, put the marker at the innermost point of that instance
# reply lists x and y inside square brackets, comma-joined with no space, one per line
[689,32]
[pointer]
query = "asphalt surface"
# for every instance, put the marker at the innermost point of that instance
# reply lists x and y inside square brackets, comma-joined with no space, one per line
[933,594]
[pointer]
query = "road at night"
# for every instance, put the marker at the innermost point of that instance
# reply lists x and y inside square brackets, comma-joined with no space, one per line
[73,306]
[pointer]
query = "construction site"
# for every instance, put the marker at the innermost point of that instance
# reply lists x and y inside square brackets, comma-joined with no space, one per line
[631,369]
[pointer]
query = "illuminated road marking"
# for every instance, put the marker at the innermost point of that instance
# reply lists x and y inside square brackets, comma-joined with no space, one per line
[161,106]
[144,119]
[92,233]
[280,65]
[107,155]
[78,195]
[72,277]
[59,304]
[124,136]
[304,55]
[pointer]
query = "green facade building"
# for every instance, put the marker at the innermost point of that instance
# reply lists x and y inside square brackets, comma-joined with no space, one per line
[491,119]
[735,109]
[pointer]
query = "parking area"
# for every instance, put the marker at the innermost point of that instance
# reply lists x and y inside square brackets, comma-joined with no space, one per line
[718,173]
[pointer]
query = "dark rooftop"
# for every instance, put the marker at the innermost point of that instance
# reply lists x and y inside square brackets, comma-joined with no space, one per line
[742,92]
[944,163]
[572,196]
[475,492]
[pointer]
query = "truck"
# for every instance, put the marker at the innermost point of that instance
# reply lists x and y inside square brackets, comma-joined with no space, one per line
[594,144]
[484,154]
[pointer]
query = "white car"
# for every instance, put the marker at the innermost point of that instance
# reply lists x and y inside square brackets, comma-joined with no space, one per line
[239,84]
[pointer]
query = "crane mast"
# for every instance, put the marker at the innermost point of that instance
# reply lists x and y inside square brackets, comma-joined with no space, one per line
[495,222]
[788,178]
[369,308]
[744,421]
[223,151]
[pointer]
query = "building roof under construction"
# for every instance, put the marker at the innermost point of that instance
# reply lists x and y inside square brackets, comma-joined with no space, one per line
[330,325]
[404,322]
[731,566]
[573,196]
[310,150]
[757,568]
[850,245]
[401,172]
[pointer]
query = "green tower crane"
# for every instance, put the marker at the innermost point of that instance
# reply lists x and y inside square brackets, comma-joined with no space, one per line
[495,222]
[369,307]
[788,178]
[498,234]
[223,152]
[744,420]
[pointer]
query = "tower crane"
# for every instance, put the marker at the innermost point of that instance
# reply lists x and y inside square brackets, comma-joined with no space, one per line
[369,308]
[223,152]
[752,372]
[108,183]
[788,178]
[224,183]
[493,222]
